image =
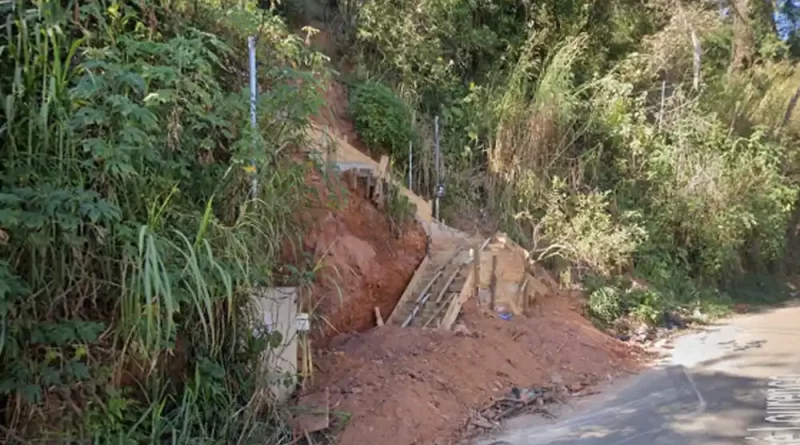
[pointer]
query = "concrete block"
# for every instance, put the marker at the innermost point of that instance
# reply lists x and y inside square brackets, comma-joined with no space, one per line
[276,310]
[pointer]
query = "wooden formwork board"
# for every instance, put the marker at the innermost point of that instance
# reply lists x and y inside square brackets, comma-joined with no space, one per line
[345,153]
[425,294]
[408,294]
[455,305]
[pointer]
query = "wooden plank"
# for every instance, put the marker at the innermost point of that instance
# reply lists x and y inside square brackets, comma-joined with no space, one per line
[524,296]
[379,196]
[441,294]
[428,286]
[493,284]
[454,308]
[440,309]
[447,285]
[346,153]
[407,294]
[378,318]
[424,298]
[421,300]
[476,270]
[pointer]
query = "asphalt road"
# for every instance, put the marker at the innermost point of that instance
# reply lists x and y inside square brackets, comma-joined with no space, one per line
[711,389]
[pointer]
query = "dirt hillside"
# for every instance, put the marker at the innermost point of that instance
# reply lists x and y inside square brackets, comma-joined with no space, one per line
[394,386]
[363,261]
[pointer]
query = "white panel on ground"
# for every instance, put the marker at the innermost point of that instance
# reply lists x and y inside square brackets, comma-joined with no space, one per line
[276,310]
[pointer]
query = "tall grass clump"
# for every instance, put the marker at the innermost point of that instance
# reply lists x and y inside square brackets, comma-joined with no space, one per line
[130,243]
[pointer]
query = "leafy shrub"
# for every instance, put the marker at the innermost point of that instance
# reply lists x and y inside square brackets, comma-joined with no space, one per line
[381,118]
[577,226]
[605,303]
[603,139]
[130,240]
[711,197]
[587,231]
[399,208]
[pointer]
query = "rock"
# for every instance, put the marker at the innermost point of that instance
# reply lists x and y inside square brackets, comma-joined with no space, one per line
[673,320]
[558,384]
[314,415]
[700,316]
[575,387]
[643,333]
[461,329]
[481,422]
[741,308]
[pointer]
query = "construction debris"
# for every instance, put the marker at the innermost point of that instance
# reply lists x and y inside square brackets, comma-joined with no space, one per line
[518,401]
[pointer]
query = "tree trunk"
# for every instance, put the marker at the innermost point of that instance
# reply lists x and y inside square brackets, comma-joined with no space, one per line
[752,21]
[744,46]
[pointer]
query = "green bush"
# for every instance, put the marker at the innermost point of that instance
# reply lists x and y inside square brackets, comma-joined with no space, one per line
[400,209]
[129,240]
[587,232]
[599,137]
[605,303]
[382,119]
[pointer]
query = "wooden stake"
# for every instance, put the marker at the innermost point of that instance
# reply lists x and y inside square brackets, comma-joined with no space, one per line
[476,272]
[446,285]
[526,301]
[493,284]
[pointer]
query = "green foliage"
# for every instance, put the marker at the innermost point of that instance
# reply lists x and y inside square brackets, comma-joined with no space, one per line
[586,233]
[621,136]
[400,210]
[381,118]
[709,195]
[606,303]
[130,243]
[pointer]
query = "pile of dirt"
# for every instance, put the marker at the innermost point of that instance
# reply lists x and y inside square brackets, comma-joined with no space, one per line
[399,386]
[362,263]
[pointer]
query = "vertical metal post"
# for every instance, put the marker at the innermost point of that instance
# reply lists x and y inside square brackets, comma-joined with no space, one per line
[251,49]
[410,164]
[437,162]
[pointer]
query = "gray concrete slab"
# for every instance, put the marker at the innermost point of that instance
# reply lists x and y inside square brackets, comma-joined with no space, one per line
[711,389]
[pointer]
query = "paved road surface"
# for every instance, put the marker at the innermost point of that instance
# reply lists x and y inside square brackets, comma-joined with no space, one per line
[712,390]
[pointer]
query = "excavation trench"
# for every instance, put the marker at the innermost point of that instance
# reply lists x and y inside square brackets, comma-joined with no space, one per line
[363,260]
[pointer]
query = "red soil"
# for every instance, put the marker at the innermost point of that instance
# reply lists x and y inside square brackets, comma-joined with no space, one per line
[362,263]
[409,386]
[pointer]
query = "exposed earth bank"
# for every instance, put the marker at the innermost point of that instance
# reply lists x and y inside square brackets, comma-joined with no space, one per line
[394,386]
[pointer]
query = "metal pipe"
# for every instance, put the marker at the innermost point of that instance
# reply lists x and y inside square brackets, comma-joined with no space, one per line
[251,49]
[437,163]
[410,164]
